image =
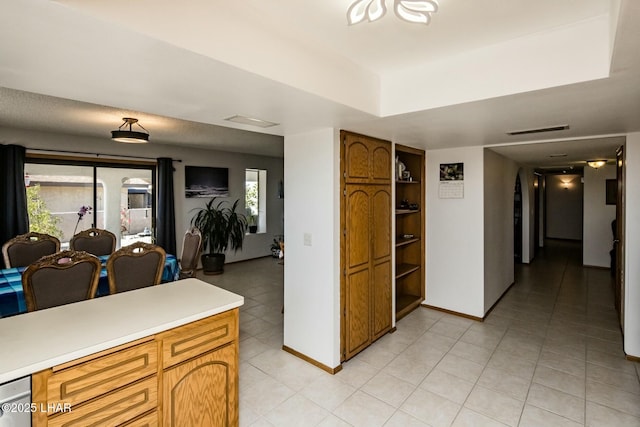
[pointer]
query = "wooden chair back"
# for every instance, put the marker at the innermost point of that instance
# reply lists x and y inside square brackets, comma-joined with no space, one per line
[96,241]
[191,248]
[135,266]
[62,278]
[27,248]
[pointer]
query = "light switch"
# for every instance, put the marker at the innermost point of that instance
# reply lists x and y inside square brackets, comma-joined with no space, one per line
[307,239]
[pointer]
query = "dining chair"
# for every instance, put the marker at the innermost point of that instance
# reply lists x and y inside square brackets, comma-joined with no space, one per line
[191,248]
[62,278]
[27,248]
[96,241]
[135,266]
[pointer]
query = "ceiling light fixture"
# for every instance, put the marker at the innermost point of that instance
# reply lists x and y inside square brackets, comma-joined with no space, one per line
[413,11]
[596,164]
[251,121]
[130,136]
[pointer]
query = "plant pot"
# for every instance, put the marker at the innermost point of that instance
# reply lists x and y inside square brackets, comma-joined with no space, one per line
[253,229]
[212,264]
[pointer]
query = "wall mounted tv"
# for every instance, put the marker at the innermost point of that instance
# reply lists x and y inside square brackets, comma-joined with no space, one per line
[206,182]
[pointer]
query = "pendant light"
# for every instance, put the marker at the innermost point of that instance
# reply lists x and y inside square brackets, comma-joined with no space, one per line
[130,136]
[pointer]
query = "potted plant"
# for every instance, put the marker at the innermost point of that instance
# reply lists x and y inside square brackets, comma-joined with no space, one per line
[253,224]
[221,227]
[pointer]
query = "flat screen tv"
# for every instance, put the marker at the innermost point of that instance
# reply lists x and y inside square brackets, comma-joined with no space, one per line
[206,182]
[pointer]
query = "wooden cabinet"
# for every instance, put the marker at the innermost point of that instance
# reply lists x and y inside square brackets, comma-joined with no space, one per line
[185,376]
[200,377]
[366,247]
[410,231]
[197,392]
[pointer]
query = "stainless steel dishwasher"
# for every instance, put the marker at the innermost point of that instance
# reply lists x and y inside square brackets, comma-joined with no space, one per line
[15,401]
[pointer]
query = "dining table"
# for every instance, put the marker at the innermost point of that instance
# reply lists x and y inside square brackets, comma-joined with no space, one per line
[12,299]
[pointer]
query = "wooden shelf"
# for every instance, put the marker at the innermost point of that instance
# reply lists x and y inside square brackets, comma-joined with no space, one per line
[404,242]
[405,269]
[410,252]
[406,303]
[406,211]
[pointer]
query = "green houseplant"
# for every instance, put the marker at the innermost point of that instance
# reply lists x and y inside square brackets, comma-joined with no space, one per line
[222,228]
[252,220]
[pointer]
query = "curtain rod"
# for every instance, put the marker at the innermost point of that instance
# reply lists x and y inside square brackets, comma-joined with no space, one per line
[42,150]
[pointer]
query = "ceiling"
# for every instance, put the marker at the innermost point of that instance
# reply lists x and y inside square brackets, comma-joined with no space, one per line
[478,70]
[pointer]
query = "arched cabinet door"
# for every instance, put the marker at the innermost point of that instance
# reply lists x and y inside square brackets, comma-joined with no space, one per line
[381,260]
[357,278]
[366,160]
[202,391]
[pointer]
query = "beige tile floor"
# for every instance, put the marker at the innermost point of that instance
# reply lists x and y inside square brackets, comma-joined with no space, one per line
[549,354]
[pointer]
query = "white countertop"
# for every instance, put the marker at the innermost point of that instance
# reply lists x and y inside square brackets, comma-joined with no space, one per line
[38,340]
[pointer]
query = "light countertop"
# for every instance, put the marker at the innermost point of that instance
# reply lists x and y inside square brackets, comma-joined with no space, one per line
[38,340]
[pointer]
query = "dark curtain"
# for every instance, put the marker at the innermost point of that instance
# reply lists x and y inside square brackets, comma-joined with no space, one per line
[14,219]
[166,222]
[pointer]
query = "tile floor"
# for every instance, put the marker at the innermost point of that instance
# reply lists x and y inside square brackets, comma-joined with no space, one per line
[549,354]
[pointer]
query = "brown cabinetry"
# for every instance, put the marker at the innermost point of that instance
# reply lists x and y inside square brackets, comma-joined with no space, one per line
[200,377]
[182,377]
[196,393]
[366,248]
[410,230]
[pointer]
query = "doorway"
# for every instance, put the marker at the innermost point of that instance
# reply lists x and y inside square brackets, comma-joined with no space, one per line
[517,221]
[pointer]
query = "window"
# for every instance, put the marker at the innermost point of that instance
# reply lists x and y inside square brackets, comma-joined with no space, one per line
[256,198]
[66,197]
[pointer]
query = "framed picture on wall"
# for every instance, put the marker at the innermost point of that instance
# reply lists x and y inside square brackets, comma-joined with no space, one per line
[612,191]
[206,182]
[451,171]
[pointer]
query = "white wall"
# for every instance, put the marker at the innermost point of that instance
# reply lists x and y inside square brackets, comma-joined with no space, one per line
[455,248]
[632,247]
[533,62]
[564,206]
[312,273]
[598,238]
[499,185]
[255,245]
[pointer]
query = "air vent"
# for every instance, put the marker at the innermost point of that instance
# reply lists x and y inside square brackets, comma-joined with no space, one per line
[539,130]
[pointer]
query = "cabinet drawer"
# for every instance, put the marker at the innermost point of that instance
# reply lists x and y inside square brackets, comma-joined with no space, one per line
[149,420]
[87,380]
[195,338]
[113,409]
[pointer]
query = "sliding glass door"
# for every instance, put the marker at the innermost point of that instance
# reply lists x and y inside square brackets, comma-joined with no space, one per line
[67,197]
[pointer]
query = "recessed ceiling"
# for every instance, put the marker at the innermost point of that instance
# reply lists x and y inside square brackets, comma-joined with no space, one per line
[562,153]
[478,70]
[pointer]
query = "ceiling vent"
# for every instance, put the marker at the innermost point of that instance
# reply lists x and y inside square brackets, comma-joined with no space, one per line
[539,130]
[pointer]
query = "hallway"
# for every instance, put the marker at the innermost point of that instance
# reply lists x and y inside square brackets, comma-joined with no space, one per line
[549,354]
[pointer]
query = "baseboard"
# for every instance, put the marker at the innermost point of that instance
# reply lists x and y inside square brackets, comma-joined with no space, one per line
[633,358]
[597,267]
[314,362]
[455,313]
[498,300]
[239,261]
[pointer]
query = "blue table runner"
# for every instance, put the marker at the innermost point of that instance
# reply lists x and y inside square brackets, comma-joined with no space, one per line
[12,297]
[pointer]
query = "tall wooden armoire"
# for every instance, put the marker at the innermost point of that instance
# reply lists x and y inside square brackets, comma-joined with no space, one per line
[366,242]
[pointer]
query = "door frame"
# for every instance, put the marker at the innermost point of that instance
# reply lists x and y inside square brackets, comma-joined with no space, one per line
[619,241]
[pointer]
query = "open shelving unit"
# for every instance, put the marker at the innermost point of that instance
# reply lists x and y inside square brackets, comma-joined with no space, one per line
[410,231]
